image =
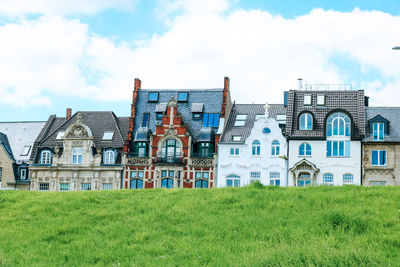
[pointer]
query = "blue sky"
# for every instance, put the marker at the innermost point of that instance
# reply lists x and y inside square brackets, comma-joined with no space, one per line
[85,54]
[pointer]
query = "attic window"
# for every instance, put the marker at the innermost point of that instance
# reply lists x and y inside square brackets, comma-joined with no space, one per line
[307,100]
[183,97]
[240,120]
[108,135]
[25,151]
[281,118]
[153,97]
[60,135]
[236,138]
[321,100]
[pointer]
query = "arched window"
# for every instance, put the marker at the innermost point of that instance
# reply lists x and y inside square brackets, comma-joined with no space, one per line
[137,179]
[275,148]
[45,157]
[233,180]
[348,178]
[109,157]
[306,121]
[167,179]
[305,149]
[327,178]
[304,179]
[201,179]
[338,124]
[256,147]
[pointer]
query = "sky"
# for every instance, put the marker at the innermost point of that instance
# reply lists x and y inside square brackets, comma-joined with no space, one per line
[85,54]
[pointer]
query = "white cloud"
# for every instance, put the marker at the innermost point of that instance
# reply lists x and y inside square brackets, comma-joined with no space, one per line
[263,54]
[61,7]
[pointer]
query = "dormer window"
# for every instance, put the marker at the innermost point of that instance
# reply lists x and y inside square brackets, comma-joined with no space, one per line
[236,138]
[109,156]
[146,120]
[306,121]
[77,154]
[307,100]
[197,116]
[60,135]
[378,131]
[25,151]
[321,100]
[159,116]
[338,124]
[240,120]
[45,157]
[108,136]
[140,149]
[183,97]
[152,97]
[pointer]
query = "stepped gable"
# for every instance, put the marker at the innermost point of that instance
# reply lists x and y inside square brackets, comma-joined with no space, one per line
[206,100]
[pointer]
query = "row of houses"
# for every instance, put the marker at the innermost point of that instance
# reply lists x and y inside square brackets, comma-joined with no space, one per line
[200,139]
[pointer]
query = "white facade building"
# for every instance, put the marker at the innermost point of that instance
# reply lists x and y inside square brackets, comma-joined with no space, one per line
[324,131]
[252,147]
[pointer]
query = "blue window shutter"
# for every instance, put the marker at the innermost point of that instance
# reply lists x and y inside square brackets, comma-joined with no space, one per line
[382,158]
[205,119]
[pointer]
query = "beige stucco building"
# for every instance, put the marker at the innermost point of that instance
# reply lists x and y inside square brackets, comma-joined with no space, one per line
[381,147]
[82,152]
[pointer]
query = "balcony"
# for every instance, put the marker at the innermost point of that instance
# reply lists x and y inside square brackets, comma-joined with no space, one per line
[202,160]
[177,158]
[135,158]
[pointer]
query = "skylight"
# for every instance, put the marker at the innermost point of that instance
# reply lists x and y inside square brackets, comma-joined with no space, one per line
[236,138]
[25,151]
[108,135]
[183,97]
[60,135]
[240,120]
[153,97]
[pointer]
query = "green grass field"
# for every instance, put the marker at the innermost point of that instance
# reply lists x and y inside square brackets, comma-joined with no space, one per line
[252,226]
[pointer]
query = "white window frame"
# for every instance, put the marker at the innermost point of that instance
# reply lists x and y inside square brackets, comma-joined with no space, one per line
[255,176]
[108,135]
[379,159]
[86,186]
[25,150]
[109,157]
[274,177]
[328,178]
[275,147]
[77,155]
[378,126]
[68,187]
[307,100]
[106,186]
[234,151]
[378,183]
[240,120]
[307,117]
[60,135]
[45,157]
[235,180]
[41,185]
[320,100]
[346,180]
[23,174]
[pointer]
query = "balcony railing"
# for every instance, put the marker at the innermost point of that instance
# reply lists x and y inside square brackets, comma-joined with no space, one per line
[203,155]
[177,158]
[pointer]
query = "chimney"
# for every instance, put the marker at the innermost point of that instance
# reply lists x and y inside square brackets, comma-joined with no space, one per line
[138,84]
[300,81]
[226,83]
[68,114]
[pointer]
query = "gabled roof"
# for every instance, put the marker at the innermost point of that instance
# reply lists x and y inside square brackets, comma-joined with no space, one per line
[6,145]
[350,101]
[251,110]
[98,123]
[21,134]
[390,114]
[210,98]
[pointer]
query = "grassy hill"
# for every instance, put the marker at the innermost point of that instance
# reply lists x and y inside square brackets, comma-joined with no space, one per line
[252,226]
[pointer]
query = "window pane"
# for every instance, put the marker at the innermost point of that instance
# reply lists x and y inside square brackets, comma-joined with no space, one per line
[237,183]
[153,97]
[146,120]
[229,182]
[341,126]
[301,150]
[374,157]
[198,175]
[329,148]
[205,175]
[347,147]
[182,97]
[277,182]
[335,148]
[382,158]
[341,148]
[309,122]
[303,122]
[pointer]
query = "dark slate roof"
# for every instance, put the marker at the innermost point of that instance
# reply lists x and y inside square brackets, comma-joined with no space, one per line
[97,121]
[351,101]
[251,110]
[6,145]
[392,114]
[211,98]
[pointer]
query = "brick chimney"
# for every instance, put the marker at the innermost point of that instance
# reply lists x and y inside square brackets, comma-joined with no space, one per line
[226,97]
[68,113]
[137,87]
